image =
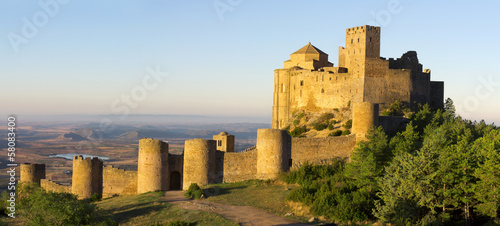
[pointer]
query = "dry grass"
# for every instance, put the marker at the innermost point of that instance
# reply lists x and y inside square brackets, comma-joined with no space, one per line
[147,209]
[266,195]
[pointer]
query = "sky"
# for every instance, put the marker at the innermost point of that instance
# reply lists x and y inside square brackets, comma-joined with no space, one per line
[217,57]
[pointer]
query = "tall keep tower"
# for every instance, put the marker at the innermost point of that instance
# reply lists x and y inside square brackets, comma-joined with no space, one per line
[362,48]
[361,43]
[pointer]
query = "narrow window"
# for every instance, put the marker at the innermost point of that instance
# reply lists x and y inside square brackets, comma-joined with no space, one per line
[322,91]
[301,83]
[283,87]
[370,39]
[351,41]
[358,39]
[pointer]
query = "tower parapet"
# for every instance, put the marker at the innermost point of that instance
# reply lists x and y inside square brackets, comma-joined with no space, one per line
[273,153]
[152,173]
[199,162]
[32,173]
[87,177]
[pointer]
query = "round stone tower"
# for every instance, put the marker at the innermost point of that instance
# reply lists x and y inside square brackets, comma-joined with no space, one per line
[87,177]
[364,117]
[199,162]
[152,172]
[32,172]
[273,153]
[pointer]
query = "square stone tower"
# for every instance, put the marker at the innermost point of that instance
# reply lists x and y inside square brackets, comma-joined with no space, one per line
[225,142]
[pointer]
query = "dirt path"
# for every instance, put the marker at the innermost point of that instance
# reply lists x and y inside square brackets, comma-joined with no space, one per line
[244,215]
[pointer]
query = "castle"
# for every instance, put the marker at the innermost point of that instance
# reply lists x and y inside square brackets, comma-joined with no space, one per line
[308,82]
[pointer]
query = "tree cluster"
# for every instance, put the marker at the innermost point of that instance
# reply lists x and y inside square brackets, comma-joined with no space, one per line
[441,170]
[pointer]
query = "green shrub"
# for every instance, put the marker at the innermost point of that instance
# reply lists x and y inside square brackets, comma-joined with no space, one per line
[178,223]
[335,133]
[346,132]
[95,197]
[300,116]
[348,124]
[320,126]
[331,124]
[296,122]
[39,207]
[297,131]
[331,127]
[194,192]
[325,117]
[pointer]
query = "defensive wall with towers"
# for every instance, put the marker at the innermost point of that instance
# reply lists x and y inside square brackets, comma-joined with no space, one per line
[275,152]
[363,82]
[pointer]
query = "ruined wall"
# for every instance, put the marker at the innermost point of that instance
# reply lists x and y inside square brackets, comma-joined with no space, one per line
[87,177]
[32,173]
[152,166]
[118,182]
[318,150]
[49,185]
[199,162]
[273,153]
[239,166]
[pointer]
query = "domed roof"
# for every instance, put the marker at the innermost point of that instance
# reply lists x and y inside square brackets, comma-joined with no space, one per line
[223,133]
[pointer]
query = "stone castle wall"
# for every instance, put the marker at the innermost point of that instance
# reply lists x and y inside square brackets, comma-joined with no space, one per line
[318,150]
[238,166]
[118,182]
[49,185]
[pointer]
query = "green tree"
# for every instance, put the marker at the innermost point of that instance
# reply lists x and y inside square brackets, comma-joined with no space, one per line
[47,208]
[487,188]
[369,158]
